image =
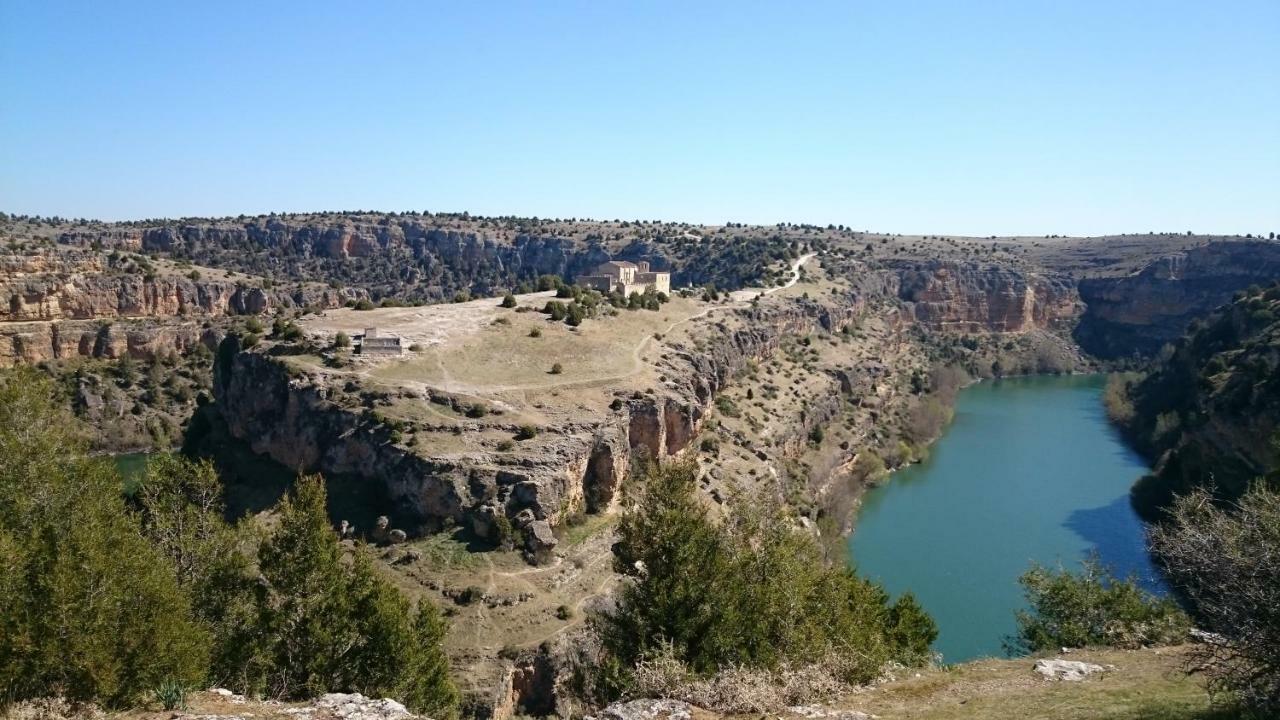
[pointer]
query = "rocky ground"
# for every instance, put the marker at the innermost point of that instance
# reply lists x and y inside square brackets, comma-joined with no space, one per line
[1080,685]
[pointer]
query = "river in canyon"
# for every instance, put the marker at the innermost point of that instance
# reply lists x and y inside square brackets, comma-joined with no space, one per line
[1029,470]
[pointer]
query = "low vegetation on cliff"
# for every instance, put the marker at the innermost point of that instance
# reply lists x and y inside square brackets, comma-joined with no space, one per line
[1209,410]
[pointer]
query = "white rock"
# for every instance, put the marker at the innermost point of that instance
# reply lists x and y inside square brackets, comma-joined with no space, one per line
[647,710]
[1070,670]
[226,694]
[354,706]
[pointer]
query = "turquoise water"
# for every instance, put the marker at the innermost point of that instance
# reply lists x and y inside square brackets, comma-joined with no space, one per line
[1030,469]
[131,467]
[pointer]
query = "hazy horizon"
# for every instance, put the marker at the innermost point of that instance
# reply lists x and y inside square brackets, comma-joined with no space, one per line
[1012,119]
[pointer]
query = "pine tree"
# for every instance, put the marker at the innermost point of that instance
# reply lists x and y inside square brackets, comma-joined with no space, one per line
[338,627]
[427,687]
[183,517]
[90,609]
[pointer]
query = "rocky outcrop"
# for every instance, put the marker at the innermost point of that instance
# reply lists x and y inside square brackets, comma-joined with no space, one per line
[971,297]
[96,295]
[305,424]
[141,339]
[413,253]
[1139,313]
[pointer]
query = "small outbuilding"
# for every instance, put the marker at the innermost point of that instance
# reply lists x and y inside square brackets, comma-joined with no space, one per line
[371,343]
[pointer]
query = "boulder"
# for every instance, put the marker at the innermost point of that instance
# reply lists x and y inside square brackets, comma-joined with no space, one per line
[1071,670]
[354,706]
[647,710]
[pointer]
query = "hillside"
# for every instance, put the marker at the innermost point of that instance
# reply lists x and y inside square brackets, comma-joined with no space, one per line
[1209,412]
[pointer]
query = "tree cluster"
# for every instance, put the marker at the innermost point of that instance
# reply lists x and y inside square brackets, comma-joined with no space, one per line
[751,592]
[107,600]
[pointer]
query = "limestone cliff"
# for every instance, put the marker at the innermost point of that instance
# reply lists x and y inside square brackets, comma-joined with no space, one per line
[1141,312]
[404,255]
[971,297]
[89,293]
[36,342]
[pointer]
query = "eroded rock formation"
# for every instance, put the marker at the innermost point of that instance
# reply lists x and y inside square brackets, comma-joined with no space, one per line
[971,297]
[1139,313]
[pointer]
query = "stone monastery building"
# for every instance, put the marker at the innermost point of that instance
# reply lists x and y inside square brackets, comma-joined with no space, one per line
[626,278]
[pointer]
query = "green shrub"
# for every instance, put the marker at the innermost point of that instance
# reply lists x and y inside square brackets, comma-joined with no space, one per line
[101,604]
[555,309]
[750,592]
[556,369]
[1227,562]
[172,695]
[508,301]
[88,609]
[727,407]
[363,304]
[526,432]
[1090,608]
[341,340]
[536,332]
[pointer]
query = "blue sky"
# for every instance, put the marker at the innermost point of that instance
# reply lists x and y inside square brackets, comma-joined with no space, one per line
[964,117]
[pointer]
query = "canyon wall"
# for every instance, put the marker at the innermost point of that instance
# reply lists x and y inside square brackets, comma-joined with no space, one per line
[306,423]
[971,297]
[89,294]
[399,253]
[1139,313]
[28,343]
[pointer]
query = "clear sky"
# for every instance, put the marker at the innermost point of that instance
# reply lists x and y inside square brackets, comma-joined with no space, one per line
[1027,116]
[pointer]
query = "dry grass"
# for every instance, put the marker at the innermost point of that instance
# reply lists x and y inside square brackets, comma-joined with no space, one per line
[1144,684]
[500,357]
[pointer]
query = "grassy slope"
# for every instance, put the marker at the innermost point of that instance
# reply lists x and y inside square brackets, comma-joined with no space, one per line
[1145,684]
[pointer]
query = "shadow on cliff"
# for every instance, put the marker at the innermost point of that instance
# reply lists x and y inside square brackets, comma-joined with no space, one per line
[254,483]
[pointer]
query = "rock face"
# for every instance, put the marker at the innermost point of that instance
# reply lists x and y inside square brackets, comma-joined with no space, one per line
[95,295]
[142,339]
[971,297]
[305,424]
[412,250]
[1141,312]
